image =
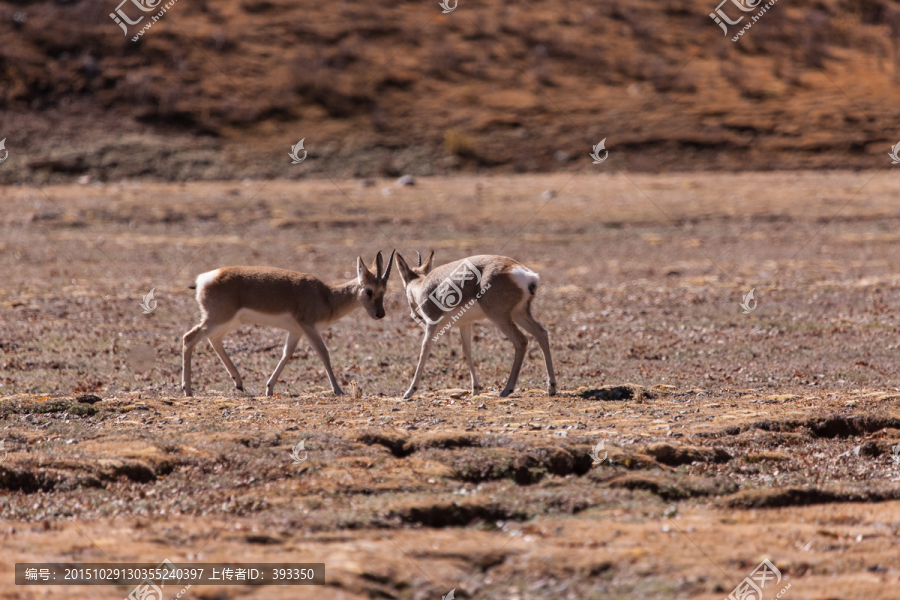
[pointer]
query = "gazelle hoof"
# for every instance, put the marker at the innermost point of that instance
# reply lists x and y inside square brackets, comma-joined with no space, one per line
[551,391]
[506,393]
[409,393]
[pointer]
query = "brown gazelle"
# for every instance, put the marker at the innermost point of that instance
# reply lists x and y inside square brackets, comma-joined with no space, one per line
[462,292]
[296,302]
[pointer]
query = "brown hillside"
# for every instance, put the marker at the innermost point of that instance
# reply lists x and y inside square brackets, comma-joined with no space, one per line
[223,89]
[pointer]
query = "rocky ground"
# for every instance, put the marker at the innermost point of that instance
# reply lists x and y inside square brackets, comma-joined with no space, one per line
[729,438]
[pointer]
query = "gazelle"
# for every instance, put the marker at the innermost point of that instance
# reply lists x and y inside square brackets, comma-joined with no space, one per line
[299,303]
[462,292]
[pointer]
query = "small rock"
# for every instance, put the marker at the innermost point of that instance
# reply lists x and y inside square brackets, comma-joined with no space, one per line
[614,392]
[366,183]
[89,399]
[548,195]
[481,406]
[71,441]
[405,180]
[292,428]
[561,156]
[386,191]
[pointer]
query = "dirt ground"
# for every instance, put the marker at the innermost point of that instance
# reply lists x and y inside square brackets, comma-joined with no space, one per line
[729,438]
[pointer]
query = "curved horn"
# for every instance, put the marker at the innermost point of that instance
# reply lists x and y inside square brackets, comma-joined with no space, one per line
[379,264]
[387,271]
[420,257]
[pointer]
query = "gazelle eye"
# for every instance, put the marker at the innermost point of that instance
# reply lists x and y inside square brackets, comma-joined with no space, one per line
[369,293]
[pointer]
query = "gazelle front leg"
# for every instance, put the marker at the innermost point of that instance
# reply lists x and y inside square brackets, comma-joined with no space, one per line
[290,345]
[465,336]
[430,330]
[318,344]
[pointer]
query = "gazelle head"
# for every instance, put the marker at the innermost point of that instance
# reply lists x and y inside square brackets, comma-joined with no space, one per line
[409,274]
[372,287]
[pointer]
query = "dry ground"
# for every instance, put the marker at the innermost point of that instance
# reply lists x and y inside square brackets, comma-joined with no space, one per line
[730,437]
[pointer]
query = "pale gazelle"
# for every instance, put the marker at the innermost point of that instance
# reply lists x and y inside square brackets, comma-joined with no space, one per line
[296,302]
[462,292]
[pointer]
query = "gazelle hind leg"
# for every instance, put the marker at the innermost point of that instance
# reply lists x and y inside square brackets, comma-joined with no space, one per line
[526,321]
[506,326]
[190,339]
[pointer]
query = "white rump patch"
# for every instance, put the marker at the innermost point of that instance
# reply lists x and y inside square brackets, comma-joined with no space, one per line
[204,279]
[524,278]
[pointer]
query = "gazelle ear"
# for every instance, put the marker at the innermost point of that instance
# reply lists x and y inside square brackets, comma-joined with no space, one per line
[362,273]
[426,266]
[406,274]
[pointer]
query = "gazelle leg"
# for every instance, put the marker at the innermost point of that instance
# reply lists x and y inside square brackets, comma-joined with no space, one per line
[527,322]
[216,342]
[290,345]
[465,336]
[430,330]
[318,344]
[506,326]
[191,339]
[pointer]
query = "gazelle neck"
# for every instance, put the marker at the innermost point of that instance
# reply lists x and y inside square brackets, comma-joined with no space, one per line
[345,300]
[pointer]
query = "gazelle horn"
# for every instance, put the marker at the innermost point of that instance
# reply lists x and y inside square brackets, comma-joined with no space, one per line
[387,271]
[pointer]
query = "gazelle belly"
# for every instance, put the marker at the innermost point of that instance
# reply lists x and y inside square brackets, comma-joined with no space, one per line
[246,316]
[463,315]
